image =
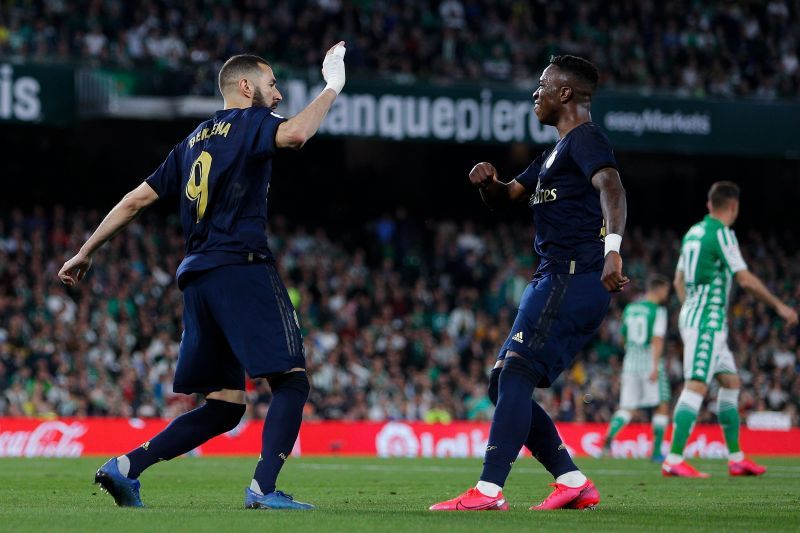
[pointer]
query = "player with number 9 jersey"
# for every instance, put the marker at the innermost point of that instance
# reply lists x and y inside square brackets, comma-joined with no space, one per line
[220,175]
[237,315]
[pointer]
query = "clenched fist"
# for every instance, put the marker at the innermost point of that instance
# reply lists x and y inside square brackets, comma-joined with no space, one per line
[482,175]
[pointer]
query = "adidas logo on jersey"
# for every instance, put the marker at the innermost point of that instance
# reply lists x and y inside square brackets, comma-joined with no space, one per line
[517,337]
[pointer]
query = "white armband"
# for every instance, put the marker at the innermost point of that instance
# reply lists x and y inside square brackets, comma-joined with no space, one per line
[613,242]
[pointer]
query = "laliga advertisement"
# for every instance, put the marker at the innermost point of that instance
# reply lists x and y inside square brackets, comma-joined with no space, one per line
[76,437]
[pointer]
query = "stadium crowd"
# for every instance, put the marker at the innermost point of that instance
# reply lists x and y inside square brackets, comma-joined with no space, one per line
[692,47]
[402,319]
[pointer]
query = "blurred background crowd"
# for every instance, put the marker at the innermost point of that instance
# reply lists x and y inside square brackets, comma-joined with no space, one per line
[402,319]
[693,48]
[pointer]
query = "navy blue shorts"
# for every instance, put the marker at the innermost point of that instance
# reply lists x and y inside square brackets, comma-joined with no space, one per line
[236,318]
[557,314]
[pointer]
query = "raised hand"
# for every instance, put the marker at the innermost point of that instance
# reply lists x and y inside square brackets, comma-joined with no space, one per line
[333,67]
[482,175]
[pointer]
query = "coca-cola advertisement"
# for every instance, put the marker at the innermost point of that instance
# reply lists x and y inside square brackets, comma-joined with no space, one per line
[75,437]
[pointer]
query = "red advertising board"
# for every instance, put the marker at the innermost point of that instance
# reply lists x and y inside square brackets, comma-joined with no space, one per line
[74,437]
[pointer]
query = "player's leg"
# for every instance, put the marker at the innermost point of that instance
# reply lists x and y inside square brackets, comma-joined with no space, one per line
[220,413]
[627,403]
[260,323]
[659,422]
[580,315]
[511,422]
[661,415]
[534,326]
[697,359]
[281,427]
[728,415]
[619,420]
[543,440]
[511,387]
[557,314]
[205,365]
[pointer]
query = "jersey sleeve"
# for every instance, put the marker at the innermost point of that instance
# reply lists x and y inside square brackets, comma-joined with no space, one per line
[679,267]
[264,141]
[530,177]
[592,151]
[165,181]
[660,324]
[729,250]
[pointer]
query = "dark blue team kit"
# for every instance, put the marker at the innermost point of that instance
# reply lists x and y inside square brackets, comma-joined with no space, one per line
[565,302]
[237,313]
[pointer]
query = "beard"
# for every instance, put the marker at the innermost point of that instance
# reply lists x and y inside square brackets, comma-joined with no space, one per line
[258,98]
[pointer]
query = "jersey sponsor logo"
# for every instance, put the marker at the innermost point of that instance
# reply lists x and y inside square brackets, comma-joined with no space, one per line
[542,196]
[517,337]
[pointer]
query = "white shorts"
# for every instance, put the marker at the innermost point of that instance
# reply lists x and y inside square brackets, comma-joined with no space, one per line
[706,354]
[638,392]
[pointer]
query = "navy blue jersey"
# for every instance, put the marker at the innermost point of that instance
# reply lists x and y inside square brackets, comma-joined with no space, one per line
[220,176]
[565,204]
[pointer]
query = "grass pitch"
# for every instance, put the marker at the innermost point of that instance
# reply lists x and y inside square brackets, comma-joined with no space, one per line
[206,494]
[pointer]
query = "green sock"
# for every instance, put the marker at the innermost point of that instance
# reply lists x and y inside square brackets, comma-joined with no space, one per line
[728,416]
[659,425]
[683,420]
[618,421]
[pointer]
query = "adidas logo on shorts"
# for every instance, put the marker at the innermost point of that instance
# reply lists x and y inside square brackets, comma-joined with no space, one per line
[517,337]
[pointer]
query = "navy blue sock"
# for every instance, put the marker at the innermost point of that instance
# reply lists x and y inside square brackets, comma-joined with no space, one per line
[543,440]
[545,444]
[281,426]
[512,419]
[186,433]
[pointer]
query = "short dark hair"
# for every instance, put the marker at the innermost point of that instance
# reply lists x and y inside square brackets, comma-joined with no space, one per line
[655,281]
[581,69]
[238,67]
[722,192]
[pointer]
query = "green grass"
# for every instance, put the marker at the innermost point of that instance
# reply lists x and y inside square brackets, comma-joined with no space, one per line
[206,494]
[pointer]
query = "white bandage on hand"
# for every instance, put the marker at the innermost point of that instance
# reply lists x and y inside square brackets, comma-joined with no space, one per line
[613,242]
[333,69]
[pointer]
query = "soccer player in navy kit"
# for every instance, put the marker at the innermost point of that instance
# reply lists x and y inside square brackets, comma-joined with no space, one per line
[578,203]
[237,313]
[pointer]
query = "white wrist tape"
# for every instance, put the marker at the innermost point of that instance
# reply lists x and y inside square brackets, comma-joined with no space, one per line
[333,69]
[613,242]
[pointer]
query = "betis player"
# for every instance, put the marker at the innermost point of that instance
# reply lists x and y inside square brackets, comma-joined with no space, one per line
[644,383]
[710,259]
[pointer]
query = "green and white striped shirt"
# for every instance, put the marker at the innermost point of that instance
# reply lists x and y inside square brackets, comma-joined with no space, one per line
[641,321]
[710,256]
